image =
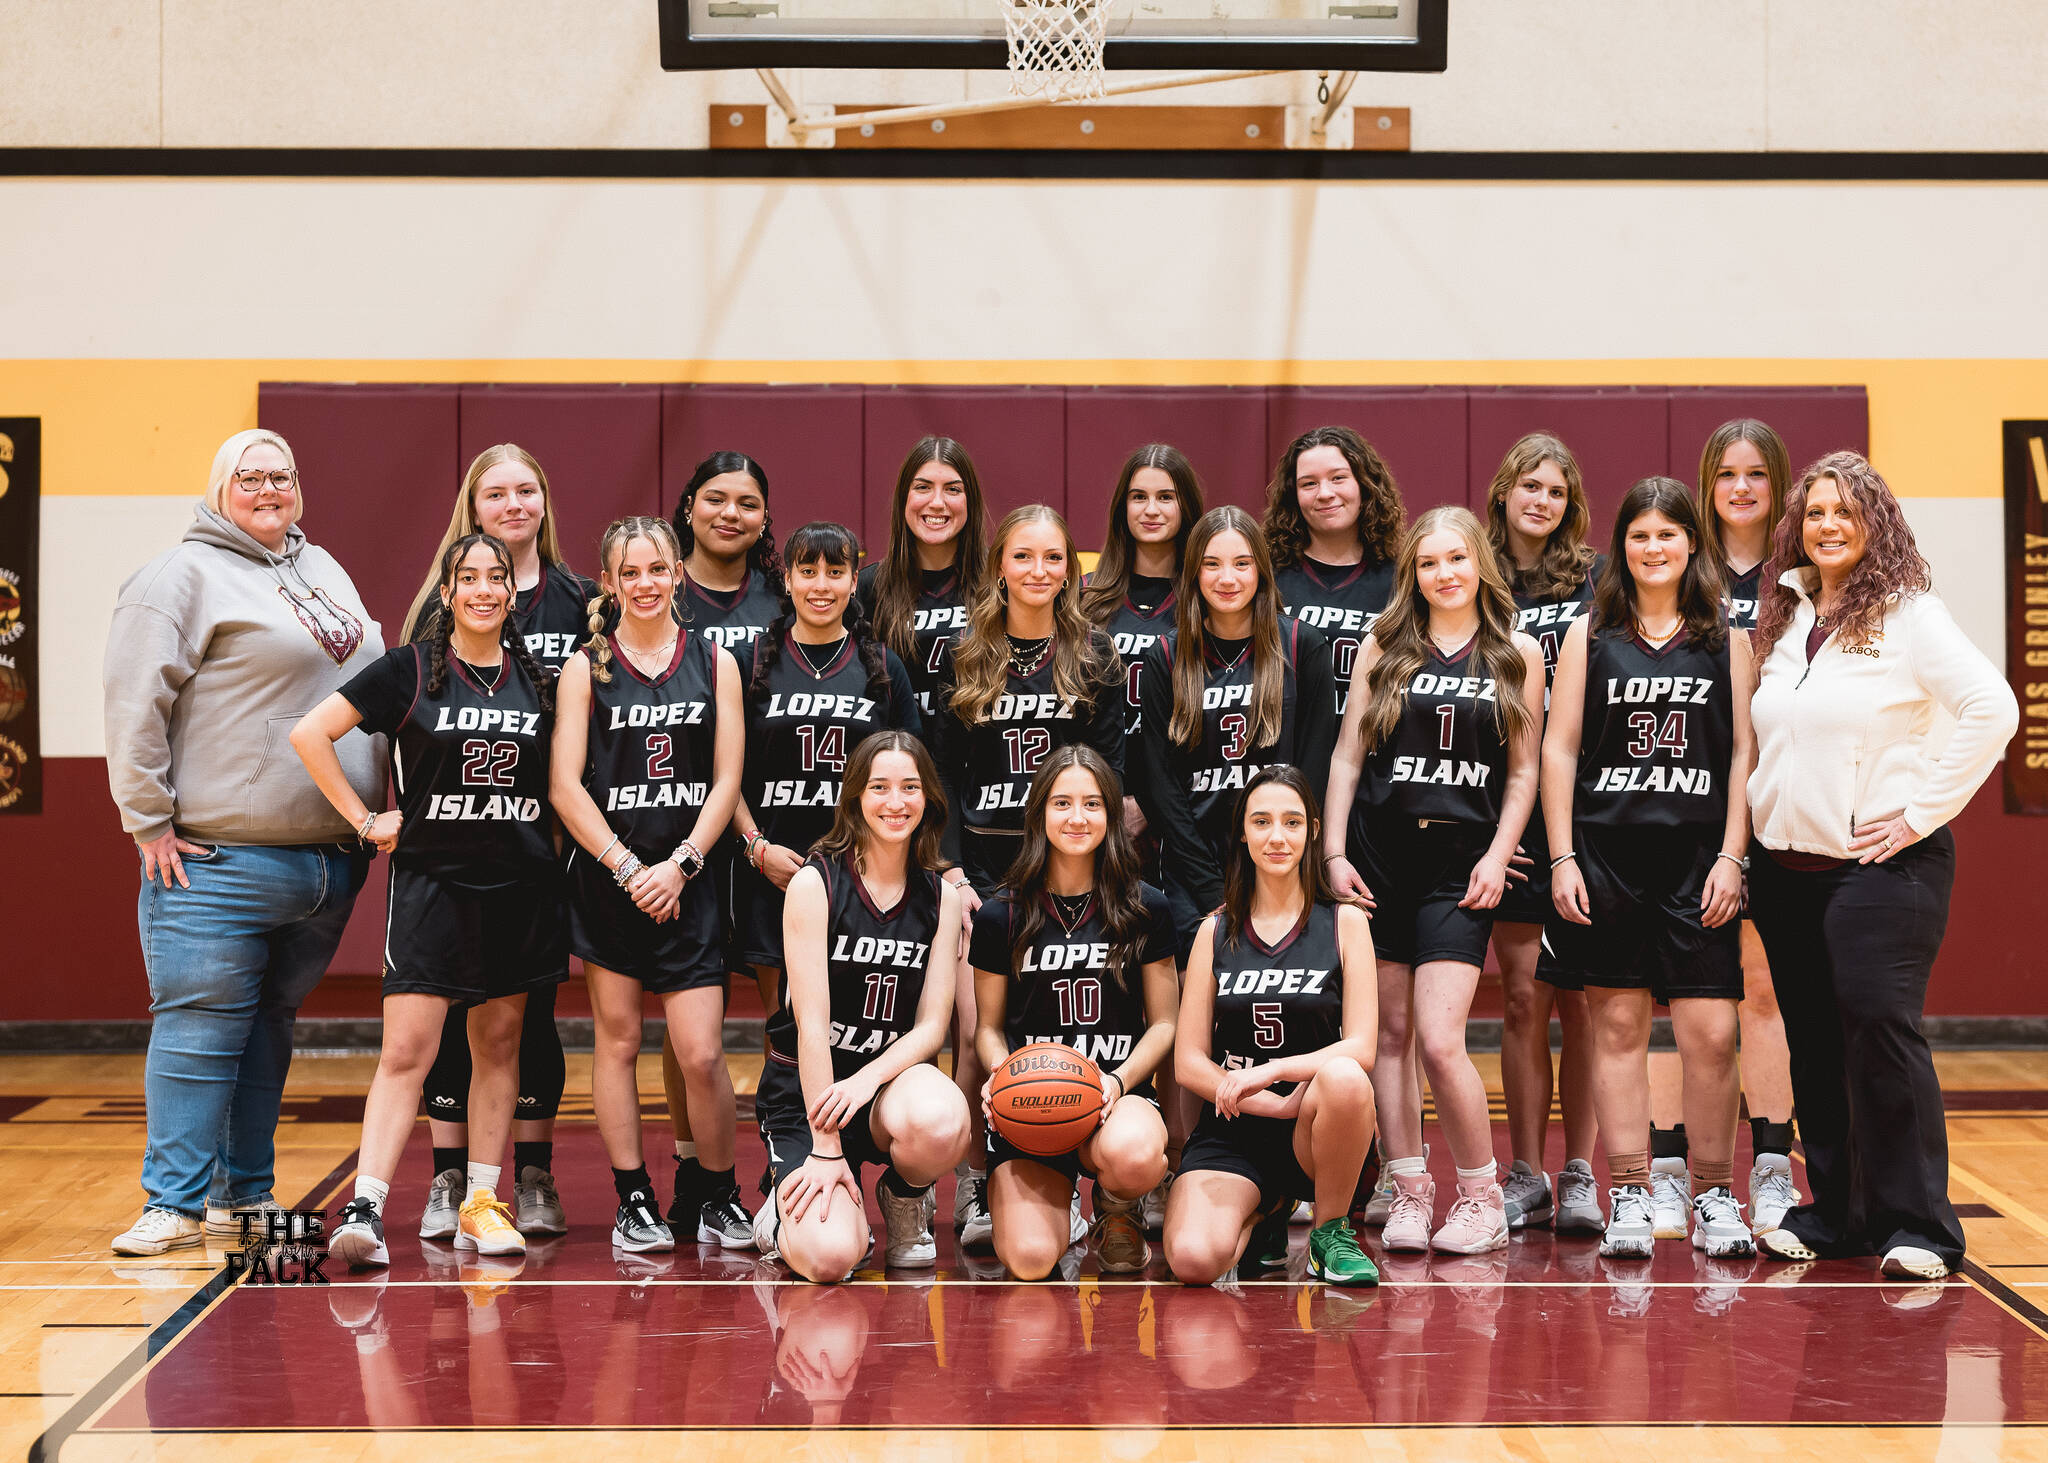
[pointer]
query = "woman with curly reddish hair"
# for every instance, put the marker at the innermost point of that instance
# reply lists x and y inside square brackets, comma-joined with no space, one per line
[1858,661]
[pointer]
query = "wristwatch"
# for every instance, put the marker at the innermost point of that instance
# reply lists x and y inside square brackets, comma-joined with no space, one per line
[687,859]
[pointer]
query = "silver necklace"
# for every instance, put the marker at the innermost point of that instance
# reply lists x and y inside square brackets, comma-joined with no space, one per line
[1027,655]
[818,671]
[641,657]
[1070,909]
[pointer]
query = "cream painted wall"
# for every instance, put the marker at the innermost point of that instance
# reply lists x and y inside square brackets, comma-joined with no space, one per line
[1591,75]
[693,271]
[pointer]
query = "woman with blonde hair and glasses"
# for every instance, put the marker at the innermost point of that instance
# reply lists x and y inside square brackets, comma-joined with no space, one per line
[218,646]
[505,494]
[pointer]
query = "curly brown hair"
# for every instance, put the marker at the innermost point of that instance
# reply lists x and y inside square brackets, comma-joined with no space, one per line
[1381,513]
[1891,566]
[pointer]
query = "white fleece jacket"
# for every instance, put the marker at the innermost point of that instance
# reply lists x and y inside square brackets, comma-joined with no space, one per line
[1854,737]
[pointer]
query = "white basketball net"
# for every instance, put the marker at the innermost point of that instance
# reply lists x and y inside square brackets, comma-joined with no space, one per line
[1056,46]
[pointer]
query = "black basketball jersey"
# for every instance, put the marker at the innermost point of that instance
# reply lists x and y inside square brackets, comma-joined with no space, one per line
[1659,733]
[648,767]
[874,965]
[1213,774]
[801,733]
[937,619]
[988,766]
[1448,757]
[1284,1000]
[1745,597]
[1547,618]
[1342,601]
[1142,621]
[734,618]
[1064,989]
[470,764]
[553,617]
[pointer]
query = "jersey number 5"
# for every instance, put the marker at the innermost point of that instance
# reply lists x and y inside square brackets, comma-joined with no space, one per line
[488,764]
[1268,1030]
[1028,746]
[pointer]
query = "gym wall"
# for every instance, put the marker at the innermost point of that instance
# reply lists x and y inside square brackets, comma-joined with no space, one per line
[623,328]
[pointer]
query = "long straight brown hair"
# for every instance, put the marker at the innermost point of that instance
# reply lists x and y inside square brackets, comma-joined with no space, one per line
[1699,590]
[898,577]
[1190,652]
[1118,890]
[1777,467]
[1566,561]
[462,522]
[1402,633]
[1084,665]
[849,833]
[1241,876]
[1111,581]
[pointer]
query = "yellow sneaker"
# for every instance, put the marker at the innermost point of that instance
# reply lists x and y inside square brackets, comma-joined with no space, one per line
[486,1226]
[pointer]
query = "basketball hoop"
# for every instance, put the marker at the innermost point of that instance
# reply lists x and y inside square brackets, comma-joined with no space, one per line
[1056,46]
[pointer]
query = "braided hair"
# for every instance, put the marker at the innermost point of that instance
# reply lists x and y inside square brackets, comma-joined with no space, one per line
[761,558]
[441,624]
[604,610]
[835,546]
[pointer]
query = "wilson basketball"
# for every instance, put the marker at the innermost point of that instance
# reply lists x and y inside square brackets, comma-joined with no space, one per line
[1045,1099]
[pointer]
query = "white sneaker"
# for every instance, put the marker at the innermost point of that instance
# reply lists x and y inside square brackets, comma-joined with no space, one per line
[1304,1213]
[1772,1194]
[970,1212]
[907,1220]
[1631,1225]
[1718,1226]
[968,1182]
[226,1221]
[1077,1227]
[1912,1262]
[768,1228]
[1578,1200]
[157,1231]
[1670,1196]
[1152,1209]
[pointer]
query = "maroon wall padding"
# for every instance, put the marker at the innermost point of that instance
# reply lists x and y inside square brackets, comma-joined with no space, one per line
[599,445]
[1016,435]
[806,438]
[1220,428]
[1420,432]
[379,466]
[1813,420]
[1618,434]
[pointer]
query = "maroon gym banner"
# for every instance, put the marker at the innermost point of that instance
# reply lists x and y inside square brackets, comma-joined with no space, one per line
[2026,613]
[21,740]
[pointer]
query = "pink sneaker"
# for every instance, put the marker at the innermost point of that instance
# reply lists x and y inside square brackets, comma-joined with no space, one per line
[1478,1222]
[1408,1218]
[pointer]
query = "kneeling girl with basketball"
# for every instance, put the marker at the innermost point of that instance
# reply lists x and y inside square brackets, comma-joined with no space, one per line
[871,943]
[1078,951]
[1277,1024]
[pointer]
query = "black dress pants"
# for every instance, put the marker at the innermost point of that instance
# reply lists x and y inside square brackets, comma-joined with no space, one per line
[1851,951]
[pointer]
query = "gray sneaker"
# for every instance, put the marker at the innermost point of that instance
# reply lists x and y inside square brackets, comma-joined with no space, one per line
[1153,1208]
[1670,1197]
[724,1221]
[443,1214]
[1631,1225]
[1526,1194]
[1578,1200]
[907,1221]
[637,1228]
[1718,1226]
[538,1206]
[1382,1202]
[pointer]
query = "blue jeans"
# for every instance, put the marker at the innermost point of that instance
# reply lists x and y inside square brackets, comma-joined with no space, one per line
[229,960]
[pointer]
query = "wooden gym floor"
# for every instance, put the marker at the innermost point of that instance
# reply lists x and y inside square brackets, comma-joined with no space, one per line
[1543,1352]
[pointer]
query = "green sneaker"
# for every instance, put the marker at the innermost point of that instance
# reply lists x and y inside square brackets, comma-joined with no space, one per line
[1334,1255]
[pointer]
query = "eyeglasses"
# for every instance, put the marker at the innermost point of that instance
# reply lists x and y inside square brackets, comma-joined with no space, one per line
[281,480]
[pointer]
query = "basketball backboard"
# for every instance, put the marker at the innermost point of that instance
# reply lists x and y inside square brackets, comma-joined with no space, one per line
[1148,35]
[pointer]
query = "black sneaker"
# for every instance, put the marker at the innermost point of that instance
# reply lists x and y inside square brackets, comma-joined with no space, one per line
[723,1220]
[690,1197]
[358,1237]
[1267,1248]
[637,1228]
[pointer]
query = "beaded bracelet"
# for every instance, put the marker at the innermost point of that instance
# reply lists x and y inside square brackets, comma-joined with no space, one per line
[363,833]
[629,866]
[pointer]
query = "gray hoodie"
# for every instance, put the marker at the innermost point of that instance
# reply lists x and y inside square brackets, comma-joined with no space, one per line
[217,648]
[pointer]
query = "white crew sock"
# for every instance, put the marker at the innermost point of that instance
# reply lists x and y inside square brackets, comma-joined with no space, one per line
[482,1176]
[375,1190]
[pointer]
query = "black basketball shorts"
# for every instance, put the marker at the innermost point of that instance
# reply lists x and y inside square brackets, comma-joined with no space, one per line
[472,945]
[784,1117]
[1418,874]
[606,928]
[1259,1149]
[1643,885]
